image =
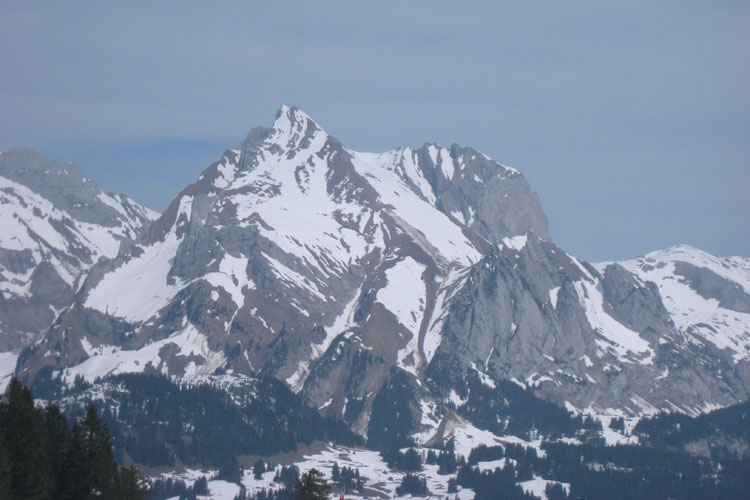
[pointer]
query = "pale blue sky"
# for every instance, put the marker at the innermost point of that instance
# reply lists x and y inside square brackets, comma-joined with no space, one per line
[631,120]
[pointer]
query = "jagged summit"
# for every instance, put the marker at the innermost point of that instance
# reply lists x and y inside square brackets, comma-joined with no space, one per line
[289,128]
[292,120]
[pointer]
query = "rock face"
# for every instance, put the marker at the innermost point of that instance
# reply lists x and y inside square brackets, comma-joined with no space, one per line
[56,223]
[583,336]
[340,272]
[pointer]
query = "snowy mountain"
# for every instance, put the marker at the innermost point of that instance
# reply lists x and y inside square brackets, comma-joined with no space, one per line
[707,297]
[406,275]
[595,337]
[56,224]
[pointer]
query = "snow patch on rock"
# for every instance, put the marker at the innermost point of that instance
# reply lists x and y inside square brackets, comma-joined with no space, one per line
[111,360]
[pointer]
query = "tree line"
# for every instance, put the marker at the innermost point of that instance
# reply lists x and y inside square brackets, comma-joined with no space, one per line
[147,415]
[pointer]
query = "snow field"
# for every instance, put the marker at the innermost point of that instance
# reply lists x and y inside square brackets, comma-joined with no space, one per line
[232,277]
[291,196]
[553,294]
[435,227]
[34,217]
[405,296]
[138,289]
[613,437]
[515,242]
[537,485]
[217,488]
[110,360]
[692,313]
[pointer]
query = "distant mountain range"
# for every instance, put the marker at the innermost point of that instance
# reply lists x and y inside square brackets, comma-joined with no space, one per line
[56,224]
[402,278]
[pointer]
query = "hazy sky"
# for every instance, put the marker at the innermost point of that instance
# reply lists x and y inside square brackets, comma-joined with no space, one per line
[631,120]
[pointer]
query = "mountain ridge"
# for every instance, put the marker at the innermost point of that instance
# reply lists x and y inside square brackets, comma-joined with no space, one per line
[56,224]
[295,257]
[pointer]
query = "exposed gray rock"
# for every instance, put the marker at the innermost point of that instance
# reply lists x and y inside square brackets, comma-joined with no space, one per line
[503,323]
[69,190]
[495,201]
[710,285]
[636,305]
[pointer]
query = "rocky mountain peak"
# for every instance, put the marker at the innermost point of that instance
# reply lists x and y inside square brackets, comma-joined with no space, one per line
[291,126]
[332,269]
[291,131]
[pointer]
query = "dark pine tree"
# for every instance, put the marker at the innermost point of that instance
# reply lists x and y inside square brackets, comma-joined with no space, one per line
[77,477]
[411,484]
[58,436]
[335,473]
[200,487]
[5,491]
[555,491]
[131,485]
[103,468]
[31,474]
[311,486]
[258,469]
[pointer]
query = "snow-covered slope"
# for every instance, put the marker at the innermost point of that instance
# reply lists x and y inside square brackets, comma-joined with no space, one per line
[55,223]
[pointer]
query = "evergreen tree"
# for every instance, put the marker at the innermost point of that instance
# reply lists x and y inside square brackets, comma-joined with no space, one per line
[335,473]
[287,476]
[411,484]
[242,495]
[102,466]
[555,491]
[30,471]
[447,462]
[617,424]
[311,486]
[77,480]
[5,491]
[258,469]
[131,485]
[359,483]
[200,487]
[231,470]
[452,485]
[58,436]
